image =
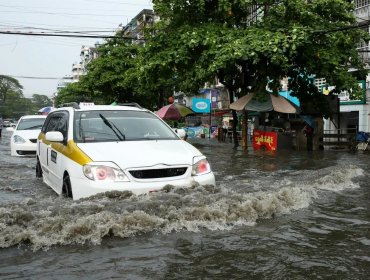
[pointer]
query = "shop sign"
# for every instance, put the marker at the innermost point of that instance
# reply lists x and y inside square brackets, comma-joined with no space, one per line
[201,105]
[194,132]
[264,140]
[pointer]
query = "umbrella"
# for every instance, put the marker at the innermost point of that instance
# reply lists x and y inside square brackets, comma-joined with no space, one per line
[309,120]
[46,110]
[272,103]
[174,112]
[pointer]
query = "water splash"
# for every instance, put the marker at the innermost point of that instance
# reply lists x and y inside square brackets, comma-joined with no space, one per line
[52,221]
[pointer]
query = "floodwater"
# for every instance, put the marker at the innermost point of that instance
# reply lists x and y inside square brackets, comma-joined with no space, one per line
[288,215]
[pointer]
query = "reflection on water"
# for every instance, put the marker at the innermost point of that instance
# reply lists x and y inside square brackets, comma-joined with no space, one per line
[282,215]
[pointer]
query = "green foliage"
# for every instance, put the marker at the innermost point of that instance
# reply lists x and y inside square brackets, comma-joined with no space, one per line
[8,85]
[74,92]
[248,45]
[40,101]
[12,102]
[111,77]
[199,40]
[16,105]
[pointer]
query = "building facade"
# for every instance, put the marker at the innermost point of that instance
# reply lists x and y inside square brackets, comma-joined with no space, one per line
[134,30]
[354,114]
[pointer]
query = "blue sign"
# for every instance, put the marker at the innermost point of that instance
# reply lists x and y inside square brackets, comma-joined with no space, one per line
[287,95]
[201,105]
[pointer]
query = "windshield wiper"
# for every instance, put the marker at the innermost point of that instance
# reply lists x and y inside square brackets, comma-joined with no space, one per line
[114,128]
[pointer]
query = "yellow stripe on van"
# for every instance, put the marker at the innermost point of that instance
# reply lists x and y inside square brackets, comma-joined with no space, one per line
[74,153]
[70,151]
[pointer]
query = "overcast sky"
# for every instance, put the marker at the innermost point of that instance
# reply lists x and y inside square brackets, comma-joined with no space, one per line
[45,60]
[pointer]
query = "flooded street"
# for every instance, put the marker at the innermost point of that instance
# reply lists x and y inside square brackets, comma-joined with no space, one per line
[289,215]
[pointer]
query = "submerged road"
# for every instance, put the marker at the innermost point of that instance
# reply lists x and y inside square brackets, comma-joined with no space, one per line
[288,215]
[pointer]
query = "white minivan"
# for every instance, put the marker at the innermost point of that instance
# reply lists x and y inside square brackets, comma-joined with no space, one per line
[24,135]
[86,150]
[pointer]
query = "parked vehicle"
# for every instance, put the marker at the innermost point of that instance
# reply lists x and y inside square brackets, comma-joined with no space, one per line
[86,150]
[7,123]
[24,138]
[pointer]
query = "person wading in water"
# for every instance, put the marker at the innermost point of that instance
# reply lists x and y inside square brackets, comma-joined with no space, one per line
[309,131]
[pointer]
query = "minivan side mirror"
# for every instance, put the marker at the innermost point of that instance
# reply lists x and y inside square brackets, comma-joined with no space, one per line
[54,136]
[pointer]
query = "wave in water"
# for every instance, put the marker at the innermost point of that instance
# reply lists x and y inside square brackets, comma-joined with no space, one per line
[46,222]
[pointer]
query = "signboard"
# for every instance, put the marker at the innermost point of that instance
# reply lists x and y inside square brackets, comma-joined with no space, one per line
[201,105]
[287,95]
[214,93]
[195,132]
[264,140]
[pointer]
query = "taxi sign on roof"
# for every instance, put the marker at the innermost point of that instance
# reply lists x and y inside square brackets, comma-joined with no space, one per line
[86,104]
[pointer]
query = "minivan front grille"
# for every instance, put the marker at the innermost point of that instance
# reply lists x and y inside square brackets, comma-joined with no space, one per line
[158,173]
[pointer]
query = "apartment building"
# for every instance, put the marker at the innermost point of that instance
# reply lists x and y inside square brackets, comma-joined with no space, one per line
[135,28]
[354,114]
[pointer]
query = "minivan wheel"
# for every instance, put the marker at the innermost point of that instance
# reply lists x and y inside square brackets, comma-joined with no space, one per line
[38,169]
[67,187]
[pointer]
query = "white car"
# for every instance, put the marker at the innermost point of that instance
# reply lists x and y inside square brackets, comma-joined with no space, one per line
[24,138]
[86,150]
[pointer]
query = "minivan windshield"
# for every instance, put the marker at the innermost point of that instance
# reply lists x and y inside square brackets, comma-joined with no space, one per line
[30,124]
[119,125]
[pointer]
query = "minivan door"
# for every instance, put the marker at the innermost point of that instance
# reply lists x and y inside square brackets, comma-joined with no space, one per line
[52,151]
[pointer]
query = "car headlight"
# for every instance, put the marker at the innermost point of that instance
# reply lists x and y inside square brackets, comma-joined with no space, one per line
[104,171]
[18,140]
[200,166]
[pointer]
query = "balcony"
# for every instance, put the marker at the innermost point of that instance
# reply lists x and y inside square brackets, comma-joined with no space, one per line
[364,52]
[362,11]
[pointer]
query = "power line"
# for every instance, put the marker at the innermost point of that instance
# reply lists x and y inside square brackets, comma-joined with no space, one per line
[63,14]
[15,27]
[66,35]
[36,78]
[105,2]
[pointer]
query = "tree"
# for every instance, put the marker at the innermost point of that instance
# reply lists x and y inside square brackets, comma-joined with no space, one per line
[74,92]
[7,85]
[12,102]
[251,45]
[113,76]
[41,101]
[16,105]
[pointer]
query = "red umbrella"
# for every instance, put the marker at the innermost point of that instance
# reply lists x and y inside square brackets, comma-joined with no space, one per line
[174,112]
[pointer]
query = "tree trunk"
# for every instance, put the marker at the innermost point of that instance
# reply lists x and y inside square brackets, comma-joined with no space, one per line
[235,118]
[235,135]
[245,130]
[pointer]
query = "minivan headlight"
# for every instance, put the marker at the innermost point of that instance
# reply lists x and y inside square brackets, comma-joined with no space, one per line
[104,171]
[18,139]
[200,166]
